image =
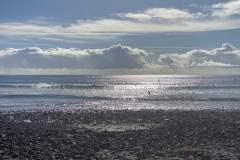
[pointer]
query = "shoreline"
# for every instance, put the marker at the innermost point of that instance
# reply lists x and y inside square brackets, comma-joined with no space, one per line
[120,134]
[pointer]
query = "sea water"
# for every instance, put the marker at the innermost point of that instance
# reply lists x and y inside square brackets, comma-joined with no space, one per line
[131,92]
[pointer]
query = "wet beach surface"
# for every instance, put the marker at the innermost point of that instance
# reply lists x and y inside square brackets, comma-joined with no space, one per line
[122,134]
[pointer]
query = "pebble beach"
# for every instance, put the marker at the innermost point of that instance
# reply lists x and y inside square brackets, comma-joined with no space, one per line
[121,134]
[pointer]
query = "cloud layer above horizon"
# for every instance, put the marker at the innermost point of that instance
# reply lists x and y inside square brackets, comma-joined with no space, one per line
[226,56]
[115,57]
[119,57]
[220,16]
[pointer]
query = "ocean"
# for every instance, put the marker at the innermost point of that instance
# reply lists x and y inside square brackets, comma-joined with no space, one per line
[132,92]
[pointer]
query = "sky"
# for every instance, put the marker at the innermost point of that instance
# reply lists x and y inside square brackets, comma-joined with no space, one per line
[183,37]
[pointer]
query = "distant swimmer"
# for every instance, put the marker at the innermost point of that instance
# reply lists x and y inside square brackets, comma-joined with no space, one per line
[62,86]
[93,86]
[149,93]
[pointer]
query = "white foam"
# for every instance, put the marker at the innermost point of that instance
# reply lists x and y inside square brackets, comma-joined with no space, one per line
[42,85]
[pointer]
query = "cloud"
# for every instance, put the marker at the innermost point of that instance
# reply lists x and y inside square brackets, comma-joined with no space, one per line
[167,14]
[15,28]
[42,20]
[226,9]
[115,57]
[226,56]
[151,20]
[109,29]
[118,59]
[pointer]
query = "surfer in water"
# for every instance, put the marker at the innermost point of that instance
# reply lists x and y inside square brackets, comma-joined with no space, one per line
[149,93]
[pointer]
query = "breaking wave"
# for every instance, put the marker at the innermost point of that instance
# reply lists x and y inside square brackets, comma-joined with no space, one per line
[53,86]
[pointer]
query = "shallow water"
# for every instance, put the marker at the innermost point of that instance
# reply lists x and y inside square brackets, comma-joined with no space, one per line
[119,92]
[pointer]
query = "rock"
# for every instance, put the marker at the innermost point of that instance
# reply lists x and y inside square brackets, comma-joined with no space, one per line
[73,131]
[78,157]
[160,154]
[105,146]
[90,154]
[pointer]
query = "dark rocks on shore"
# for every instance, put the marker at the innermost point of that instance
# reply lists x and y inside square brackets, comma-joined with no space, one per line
[123,134]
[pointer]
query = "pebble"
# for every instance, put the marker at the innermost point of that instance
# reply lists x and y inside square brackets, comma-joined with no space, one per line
[160,154]
[192,130]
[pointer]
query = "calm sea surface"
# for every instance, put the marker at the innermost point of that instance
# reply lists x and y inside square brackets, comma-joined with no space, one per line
[119,92]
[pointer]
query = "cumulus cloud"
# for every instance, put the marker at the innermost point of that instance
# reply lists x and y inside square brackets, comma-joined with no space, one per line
[118,59]
[115,57]
[225,56]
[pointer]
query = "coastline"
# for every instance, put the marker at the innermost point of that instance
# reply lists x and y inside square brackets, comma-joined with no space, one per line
[120,134]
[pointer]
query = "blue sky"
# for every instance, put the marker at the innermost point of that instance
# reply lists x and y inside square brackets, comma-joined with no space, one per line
[119,37]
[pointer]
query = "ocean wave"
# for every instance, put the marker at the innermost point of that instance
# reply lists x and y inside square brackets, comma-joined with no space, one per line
[53,86]
[39,85]
[105,86]
[202,86]
[108,98]
[158,99]
[80,86]
[191,99]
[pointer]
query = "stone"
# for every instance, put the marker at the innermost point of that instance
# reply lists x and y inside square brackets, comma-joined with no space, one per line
[160,154]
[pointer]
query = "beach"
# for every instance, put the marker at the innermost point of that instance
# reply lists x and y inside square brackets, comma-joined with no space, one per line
[120,134]
[119,80]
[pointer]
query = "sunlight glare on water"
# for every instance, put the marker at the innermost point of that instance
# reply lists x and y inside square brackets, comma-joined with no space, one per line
[119,92]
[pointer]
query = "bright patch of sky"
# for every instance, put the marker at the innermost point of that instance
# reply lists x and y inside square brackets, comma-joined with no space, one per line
[156,36]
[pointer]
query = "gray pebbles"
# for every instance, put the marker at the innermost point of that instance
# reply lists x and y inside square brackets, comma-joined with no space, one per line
[143,134]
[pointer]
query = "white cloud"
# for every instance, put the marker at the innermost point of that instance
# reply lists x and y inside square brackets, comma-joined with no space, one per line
[42,20]
[137,16]
[152,20]
[226,9]
[169,14]
[115,57]
[15,28]
[159,13]
[118,59]
[225,56]
[107,29]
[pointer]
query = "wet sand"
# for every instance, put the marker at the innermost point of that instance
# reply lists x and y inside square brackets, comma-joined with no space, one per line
[144,134]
